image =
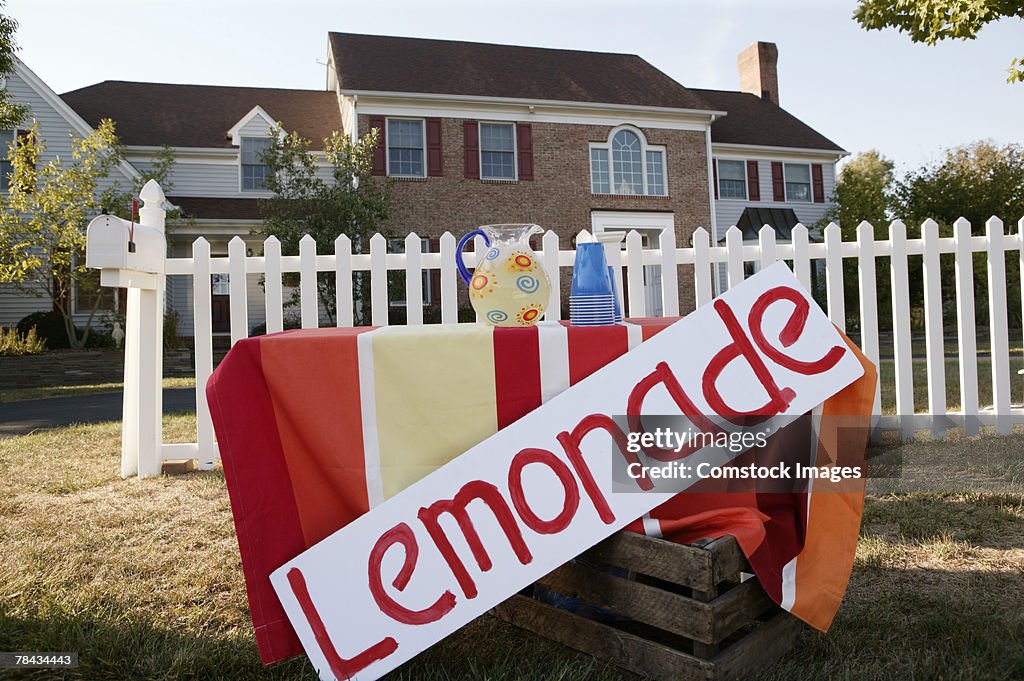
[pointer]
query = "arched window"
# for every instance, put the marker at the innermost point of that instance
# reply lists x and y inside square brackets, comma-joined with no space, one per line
[627,165]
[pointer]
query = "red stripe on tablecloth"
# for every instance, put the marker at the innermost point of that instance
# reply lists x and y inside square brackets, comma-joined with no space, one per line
[265,515]
[516,373]
[592,347]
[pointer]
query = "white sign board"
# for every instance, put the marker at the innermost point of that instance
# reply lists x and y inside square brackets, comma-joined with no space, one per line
[535,495]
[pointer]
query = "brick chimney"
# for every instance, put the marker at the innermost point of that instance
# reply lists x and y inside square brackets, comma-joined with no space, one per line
[759,70]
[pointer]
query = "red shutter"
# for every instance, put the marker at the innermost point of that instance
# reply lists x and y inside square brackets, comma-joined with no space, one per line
[524,141]
[817,183]
[714,171]
[380,158]
[753,182]
[435,275]
[471,149]
[434,156]
[778,183]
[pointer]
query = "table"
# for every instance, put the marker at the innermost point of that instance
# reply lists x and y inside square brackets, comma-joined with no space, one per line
[317,426]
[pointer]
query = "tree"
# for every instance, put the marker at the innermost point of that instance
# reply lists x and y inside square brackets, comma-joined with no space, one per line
[863,192]
[11,113]
[44,215]
[929,21]
[975,181]
[352,202]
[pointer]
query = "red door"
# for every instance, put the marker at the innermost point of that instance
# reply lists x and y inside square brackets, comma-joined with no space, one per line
[220,303]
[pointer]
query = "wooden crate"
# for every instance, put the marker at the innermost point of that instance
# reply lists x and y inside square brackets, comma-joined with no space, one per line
[680,612]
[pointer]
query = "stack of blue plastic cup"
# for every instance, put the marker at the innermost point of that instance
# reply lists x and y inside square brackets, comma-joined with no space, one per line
[592,298]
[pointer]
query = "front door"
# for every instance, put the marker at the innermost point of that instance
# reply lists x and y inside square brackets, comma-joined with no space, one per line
[220,303]
[649,226]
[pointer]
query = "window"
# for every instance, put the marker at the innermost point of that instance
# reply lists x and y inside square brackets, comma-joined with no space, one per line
[497,151]
[798,181]
[396,278]
[254,170]
[406,147]
[732,180]
[90,295]
[6,144]
[627,166]
[656,172]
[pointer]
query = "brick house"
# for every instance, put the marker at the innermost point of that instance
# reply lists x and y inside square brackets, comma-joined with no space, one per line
[478,133]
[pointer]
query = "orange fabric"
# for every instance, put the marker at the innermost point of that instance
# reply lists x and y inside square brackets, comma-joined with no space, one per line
[823,566]
[323,446]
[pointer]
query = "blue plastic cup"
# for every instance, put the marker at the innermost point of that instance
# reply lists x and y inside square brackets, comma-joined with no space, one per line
[590,271]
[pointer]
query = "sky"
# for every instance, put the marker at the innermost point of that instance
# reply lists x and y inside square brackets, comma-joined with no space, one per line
[861,89]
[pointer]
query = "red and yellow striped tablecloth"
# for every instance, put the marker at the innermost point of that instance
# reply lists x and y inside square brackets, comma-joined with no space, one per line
[317,426]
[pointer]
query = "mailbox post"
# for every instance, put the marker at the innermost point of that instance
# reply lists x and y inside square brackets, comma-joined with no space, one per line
[132,257]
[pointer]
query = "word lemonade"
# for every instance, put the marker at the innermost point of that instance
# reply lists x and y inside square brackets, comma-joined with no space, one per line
[671,439]
[539,492]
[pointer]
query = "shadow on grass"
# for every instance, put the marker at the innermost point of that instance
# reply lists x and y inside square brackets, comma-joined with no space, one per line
[917,624]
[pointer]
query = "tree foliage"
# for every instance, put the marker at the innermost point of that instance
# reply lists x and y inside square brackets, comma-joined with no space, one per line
[44,215]
[351,201]
[11,113]
[929,21]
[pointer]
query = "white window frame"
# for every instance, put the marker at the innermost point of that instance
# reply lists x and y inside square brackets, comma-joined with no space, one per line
[515,151]
[746,182]
[387,147]
[241,165]
[428,287]
[810,182]
[644,148]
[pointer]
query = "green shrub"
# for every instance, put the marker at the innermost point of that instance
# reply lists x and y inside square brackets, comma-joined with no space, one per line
[13,343]
[49,326]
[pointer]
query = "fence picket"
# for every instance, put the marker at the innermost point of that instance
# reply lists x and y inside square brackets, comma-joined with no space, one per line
[413,279]
[834,275]
[309,310]
[902,349]
[449,283]
[273,300]
[238,290]
[343,293]
[378,281]
[934,336]
[734,255]
[766,244]
[669,274]
[203,330]
[549,255]
[801,255]
[702,266]
[868,294]
[965,327]
[999,341]
[635,274]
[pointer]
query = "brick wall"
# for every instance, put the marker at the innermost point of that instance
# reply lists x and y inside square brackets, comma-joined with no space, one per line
[559,196]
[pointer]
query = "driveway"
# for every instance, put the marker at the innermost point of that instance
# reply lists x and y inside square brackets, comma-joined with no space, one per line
[19,418]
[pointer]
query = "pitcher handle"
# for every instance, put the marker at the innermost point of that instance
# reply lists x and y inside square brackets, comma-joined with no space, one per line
[463,271]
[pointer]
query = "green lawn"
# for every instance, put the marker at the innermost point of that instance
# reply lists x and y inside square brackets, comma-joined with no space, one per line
[142,577]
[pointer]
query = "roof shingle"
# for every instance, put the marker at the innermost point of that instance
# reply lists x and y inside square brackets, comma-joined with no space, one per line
[154,114]
[752,120]
[449,67]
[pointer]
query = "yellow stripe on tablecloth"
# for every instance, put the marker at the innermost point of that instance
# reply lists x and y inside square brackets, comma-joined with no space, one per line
[435,397]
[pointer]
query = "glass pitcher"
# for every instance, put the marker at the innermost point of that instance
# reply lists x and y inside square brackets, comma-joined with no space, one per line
[509,286]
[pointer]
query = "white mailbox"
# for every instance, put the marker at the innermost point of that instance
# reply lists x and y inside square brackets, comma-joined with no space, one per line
[116,244]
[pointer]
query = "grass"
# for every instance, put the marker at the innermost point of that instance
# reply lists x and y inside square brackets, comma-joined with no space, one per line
[142,577]
[19,394]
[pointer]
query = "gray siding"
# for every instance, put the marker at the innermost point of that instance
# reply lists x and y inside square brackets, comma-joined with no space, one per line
[56,133]
[728,211]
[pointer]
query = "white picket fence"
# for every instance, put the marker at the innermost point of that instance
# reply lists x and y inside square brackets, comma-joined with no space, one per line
[702,256]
